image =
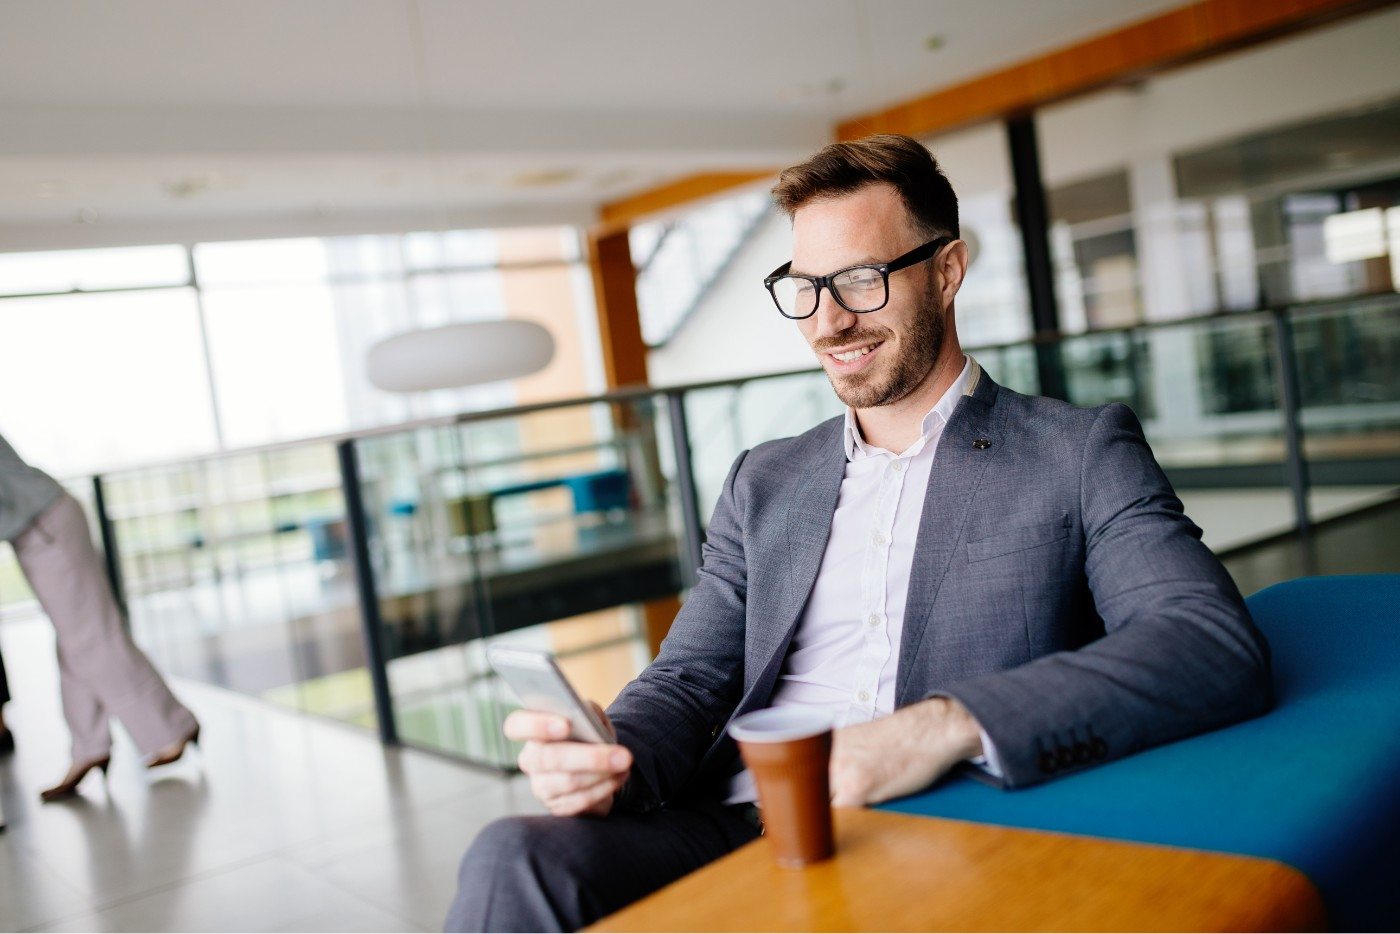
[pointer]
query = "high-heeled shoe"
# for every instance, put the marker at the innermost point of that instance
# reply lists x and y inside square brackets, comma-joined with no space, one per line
[69,786]
[174,751]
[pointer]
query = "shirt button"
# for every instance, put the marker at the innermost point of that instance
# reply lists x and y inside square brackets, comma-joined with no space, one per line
[897,466]
[873,620]
[863,697]
[879,538]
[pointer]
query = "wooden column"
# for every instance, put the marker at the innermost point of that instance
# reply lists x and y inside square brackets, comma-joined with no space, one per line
[615,296]
[624,364]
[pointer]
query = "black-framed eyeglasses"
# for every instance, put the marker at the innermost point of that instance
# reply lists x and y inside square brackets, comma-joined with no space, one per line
[860,289]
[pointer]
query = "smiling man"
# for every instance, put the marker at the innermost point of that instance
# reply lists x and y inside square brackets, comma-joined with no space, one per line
[960,575]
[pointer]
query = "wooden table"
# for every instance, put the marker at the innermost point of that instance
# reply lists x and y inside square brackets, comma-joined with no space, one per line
[894,872]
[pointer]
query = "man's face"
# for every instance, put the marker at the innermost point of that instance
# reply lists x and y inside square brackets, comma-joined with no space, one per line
[900,342]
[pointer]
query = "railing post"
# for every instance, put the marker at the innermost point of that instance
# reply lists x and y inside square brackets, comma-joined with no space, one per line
[371,621]
[1290,401]
[110,550]
[1033,218]
[693,530]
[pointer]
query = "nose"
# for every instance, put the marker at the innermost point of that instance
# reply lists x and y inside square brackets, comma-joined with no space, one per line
[831,318]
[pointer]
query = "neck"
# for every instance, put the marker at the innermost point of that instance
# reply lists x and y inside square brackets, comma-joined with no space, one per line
[896,426]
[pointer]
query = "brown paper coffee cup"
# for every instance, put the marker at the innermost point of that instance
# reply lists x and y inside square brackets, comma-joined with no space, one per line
[788,750]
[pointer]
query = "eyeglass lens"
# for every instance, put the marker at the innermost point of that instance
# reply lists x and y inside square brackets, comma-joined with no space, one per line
[859,289]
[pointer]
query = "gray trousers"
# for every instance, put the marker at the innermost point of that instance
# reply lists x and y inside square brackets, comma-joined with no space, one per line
[102,674]
[546,873]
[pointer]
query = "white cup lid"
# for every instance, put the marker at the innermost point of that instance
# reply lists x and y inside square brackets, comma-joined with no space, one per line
[779,725]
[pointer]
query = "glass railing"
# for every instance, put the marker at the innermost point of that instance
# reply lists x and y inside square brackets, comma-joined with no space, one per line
[547,527]
[361,577]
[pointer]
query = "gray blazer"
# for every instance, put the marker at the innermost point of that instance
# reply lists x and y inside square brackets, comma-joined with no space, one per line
[1058,591]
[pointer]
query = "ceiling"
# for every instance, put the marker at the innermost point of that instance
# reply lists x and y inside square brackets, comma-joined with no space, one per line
[168,119]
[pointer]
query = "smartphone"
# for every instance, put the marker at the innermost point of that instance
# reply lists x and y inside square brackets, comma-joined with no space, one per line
[535,677]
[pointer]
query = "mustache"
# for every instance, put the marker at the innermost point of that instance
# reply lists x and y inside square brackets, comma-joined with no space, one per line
[851,336]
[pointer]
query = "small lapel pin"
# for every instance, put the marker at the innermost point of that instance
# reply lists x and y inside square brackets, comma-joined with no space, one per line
[981,444]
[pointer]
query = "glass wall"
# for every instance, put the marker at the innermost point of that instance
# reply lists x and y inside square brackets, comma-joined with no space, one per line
[1197,193]
[1349,386]
[235,572]
[554,529]
[251,342]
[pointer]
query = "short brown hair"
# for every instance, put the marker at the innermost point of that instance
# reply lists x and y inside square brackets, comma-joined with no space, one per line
[901,161]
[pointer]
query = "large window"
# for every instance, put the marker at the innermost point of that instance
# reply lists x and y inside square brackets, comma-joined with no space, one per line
[111,357]
[110,378]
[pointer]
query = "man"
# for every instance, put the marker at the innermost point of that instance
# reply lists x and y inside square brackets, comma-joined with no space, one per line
[962,575]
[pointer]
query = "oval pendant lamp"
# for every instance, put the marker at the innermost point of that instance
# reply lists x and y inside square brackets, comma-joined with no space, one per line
[456,355]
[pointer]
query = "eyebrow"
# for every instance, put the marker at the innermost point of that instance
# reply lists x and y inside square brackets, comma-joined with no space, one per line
[866,260]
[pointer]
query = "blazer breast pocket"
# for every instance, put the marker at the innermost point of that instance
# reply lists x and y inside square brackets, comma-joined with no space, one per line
[1022,538]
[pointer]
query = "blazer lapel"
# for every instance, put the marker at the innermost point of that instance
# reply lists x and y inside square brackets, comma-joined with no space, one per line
[808,528]
[958,466]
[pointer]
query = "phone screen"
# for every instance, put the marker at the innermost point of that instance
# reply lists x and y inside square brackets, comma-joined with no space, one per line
[536,679]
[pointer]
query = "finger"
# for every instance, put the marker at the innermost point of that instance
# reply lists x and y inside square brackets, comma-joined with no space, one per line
[555,784]
[579,801]
[525,725]
[582,757]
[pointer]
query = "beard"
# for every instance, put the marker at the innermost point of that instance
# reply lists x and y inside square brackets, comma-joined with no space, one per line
[893,378]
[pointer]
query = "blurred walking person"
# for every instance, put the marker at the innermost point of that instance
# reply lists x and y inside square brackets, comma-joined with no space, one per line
[102,674]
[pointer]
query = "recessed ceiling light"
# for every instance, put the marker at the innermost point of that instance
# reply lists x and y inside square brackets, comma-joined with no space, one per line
[614,178]
[813,90]
[202,182]
[543,178]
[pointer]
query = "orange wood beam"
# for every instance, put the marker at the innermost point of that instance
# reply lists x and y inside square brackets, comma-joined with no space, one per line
[675,194]
[615,298]
[1177,37]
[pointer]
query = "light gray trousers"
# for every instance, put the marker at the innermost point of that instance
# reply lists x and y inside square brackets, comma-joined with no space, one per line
[102,674]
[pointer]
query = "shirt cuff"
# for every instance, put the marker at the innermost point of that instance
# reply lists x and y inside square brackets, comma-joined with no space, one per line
[989,761]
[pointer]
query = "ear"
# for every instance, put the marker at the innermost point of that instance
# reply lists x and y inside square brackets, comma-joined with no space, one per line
[950,265]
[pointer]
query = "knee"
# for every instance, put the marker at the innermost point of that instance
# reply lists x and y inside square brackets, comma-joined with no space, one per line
[506,880]
[504,846]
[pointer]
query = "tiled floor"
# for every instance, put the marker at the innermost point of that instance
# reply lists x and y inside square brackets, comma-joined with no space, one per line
[280,822]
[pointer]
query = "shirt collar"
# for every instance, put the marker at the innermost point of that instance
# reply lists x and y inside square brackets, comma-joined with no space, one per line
[937,417]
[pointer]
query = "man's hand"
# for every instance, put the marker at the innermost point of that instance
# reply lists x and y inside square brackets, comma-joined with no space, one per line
[568,777]
[902,753]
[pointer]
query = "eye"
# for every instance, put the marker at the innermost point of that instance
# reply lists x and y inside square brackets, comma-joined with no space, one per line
[863,278]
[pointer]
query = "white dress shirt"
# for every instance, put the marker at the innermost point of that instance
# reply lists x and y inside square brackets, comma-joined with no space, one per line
[845,653]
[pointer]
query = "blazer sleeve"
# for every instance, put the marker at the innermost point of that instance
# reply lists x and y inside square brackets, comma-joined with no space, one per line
[669,714]
[1180,654]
